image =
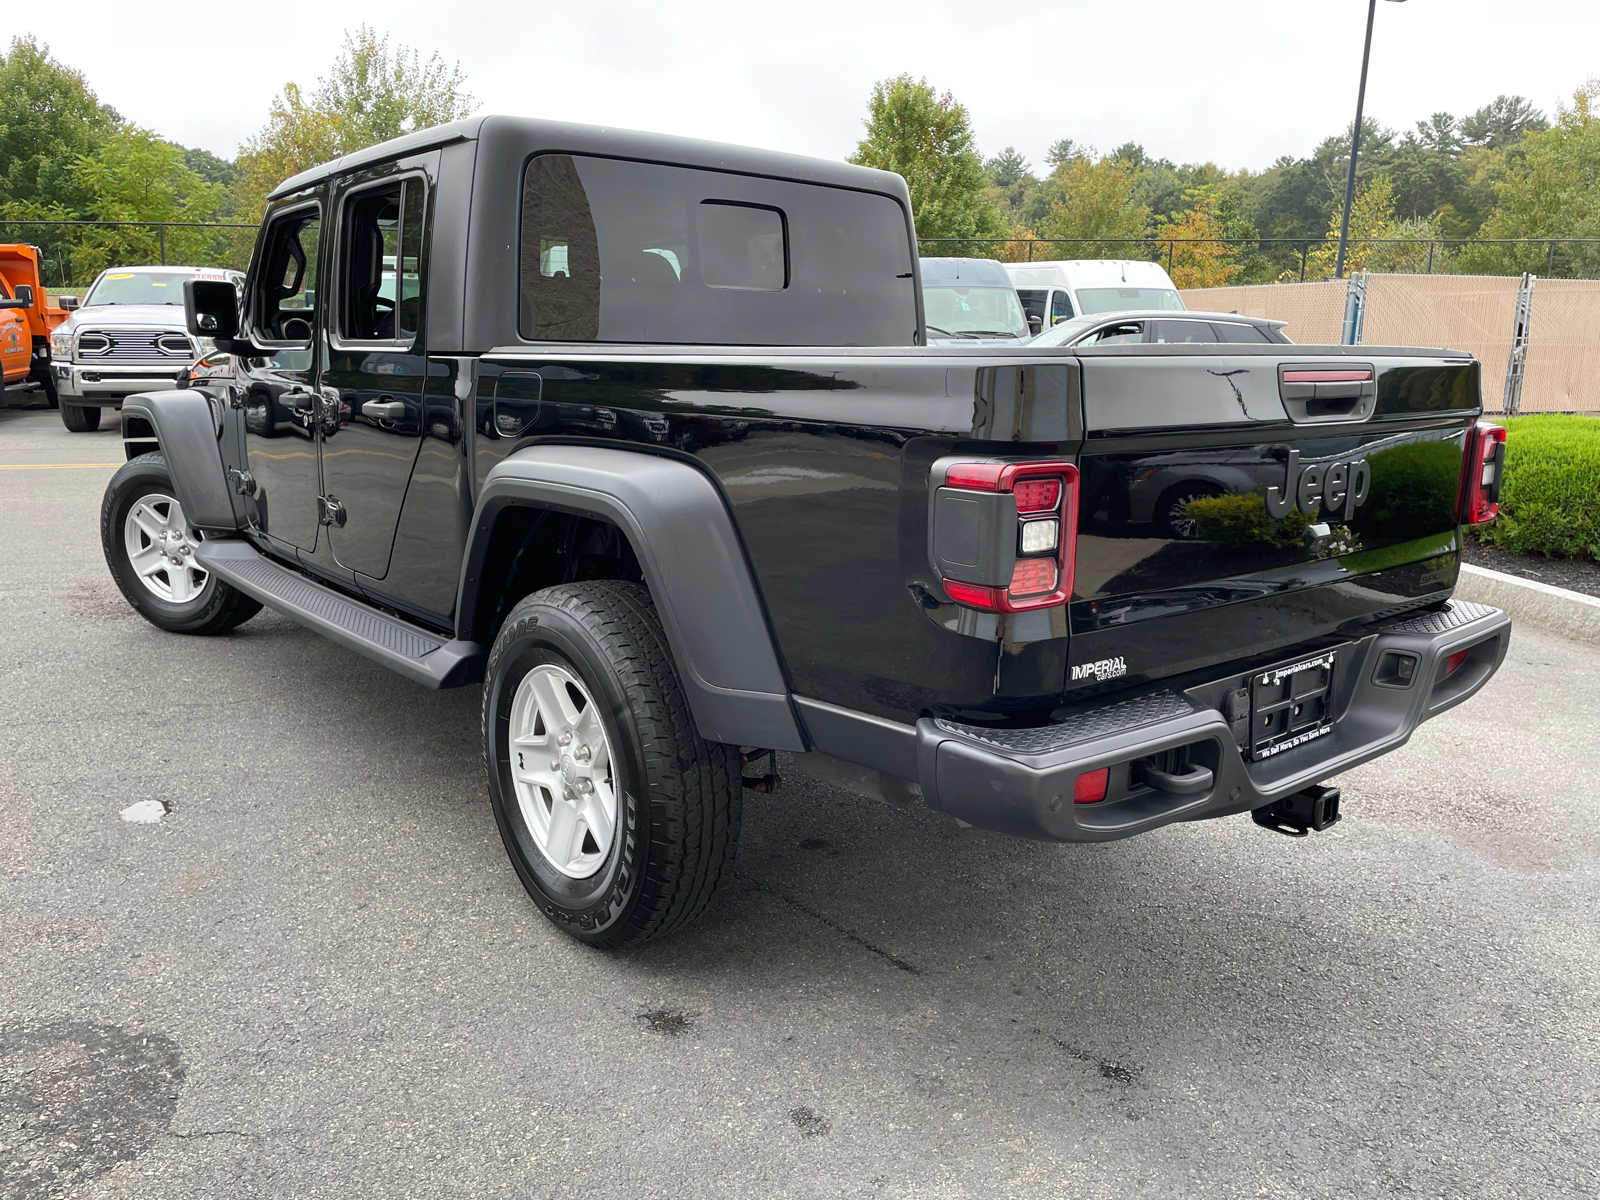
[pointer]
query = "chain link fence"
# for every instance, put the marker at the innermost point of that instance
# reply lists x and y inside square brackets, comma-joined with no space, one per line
[72,253]
[1301,260]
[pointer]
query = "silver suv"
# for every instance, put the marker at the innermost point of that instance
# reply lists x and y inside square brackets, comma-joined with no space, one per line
[126,336]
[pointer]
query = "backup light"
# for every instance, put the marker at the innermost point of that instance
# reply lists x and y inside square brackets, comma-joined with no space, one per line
[1039,537]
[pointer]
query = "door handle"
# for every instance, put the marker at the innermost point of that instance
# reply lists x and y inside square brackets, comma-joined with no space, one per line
[384,408]
[298,399]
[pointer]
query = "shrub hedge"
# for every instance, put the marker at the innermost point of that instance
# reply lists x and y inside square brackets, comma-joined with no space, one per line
[1550,503]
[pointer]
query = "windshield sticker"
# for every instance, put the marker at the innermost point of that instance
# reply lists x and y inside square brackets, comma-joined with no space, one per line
[122,275]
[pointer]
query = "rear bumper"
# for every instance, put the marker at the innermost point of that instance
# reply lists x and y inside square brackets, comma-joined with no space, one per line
[1020,781]
[106,385]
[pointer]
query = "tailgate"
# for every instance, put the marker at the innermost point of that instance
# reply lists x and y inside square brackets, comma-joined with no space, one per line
[1239,502]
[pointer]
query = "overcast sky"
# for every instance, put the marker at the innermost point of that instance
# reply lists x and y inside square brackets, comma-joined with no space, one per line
[1237,83]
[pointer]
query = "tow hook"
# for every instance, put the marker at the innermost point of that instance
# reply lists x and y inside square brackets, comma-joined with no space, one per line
[1315,807]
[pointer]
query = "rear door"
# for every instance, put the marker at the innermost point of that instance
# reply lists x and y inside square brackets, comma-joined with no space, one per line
[377,357]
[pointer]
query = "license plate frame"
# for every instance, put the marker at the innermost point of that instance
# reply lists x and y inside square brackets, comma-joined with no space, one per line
[1291,704]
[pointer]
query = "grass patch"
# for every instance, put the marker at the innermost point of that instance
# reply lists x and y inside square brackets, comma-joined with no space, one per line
[1550,503]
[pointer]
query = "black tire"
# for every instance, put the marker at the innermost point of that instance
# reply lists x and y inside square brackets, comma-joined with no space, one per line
[217,608]
[679,798]
[80,418]
[45,376]
[1171,516]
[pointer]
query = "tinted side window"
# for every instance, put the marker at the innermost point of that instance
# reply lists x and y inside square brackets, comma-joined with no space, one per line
[1227,331]
[1060,306]
[286,288]
[621,251]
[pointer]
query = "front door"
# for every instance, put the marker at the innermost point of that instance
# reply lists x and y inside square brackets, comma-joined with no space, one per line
[376,363]
[280,388]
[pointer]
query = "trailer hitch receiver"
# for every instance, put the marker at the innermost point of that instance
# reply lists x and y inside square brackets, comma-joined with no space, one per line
[1314,808]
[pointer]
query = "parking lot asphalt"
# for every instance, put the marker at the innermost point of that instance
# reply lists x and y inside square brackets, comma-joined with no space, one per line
[318,976]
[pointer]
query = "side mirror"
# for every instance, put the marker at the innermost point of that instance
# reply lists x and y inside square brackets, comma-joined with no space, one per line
[210,308]
[1035,324]
[24,294]
[67,303]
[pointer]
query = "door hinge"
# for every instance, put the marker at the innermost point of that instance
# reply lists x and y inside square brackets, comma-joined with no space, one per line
[330,511]
[243,482]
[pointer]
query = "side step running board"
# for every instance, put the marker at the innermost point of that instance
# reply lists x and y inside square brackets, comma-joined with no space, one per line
[417,653]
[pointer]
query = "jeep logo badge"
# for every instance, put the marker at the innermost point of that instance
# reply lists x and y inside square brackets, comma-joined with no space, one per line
[1336,486]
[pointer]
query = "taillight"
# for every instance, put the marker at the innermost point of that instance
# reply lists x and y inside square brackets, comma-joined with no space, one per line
[1484,472]
[1003,534]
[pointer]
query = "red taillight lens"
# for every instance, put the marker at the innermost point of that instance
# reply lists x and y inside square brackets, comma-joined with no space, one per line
[1453,663]
[1484,471]
[1033,577]
[1090,787]
[1037,495]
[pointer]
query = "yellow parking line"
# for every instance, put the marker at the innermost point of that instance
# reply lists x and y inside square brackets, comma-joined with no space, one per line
[51,466]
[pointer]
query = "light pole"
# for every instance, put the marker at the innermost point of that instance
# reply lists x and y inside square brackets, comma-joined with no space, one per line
[1355,141]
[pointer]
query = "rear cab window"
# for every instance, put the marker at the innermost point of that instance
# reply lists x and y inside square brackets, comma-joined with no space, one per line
[619,251]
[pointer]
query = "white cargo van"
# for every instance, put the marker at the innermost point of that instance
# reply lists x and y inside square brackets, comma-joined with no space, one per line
[1052,292]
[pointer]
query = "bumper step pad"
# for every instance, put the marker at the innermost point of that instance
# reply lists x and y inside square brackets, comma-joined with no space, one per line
[415,652]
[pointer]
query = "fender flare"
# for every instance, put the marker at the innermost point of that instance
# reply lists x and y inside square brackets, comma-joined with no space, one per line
[187,432]
[694,565]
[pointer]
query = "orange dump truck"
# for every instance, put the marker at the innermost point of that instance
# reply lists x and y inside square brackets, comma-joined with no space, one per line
[27,318]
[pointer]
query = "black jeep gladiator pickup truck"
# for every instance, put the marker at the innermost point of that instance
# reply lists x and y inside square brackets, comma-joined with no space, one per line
[642,434]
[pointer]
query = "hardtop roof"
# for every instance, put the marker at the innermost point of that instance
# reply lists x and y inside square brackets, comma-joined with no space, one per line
[531,136]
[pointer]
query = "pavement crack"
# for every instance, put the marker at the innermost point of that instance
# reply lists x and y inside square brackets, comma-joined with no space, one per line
[205,1133]
[850,934]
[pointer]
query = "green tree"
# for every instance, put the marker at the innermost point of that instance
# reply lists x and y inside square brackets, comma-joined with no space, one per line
[927,139]
[135,176]
[1097,201]
[1551,189]
[1006,168]
[1502,123]
[371,94]
[49,119]
[1378,241]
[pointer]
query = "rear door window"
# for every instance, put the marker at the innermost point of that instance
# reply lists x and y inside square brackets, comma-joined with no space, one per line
[380,260]
[619,251]
[1199,332]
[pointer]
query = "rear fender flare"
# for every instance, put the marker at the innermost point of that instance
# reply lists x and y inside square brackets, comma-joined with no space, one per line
[187,429]
[694,564]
